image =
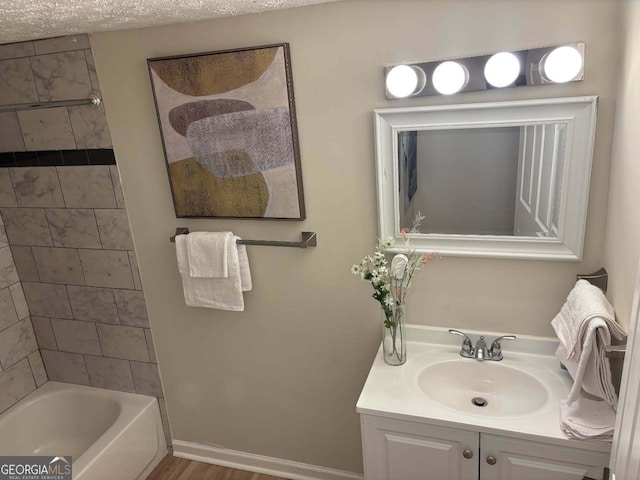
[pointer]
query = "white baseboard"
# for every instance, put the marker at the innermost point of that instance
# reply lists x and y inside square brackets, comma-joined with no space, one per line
[258,463]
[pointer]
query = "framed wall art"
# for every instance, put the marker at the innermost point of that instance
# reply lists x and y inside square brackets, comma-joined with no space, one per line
[228,127]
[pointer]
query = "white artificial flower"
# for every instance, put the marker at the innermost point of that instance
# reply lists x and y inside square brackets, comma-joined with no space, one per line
[356,270]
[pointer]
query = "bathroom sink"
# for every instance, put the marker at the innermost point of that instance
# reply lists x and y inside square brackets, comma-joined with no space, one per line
[482,388]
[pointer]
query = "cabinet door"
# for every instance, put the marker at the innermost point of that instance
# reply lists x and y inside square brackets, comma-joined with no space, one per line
[524,460]
[398,450]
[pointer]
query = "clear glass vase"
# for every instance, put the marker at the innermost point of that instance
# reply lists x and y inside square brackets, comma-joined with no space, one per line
[394,341]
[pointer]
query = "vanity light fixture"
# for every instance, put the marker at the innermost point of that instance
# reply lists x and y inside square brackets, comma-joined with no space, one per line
[405,80]
[535,66]
[450,77]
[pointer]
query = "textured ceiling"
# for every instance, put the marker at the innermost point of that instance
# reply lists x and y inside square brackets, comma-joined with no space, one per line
[30,19]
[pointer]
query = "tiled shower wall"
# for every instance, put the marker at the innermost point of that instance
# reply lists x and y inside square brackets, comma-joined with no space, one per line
[68,231]
[21,369]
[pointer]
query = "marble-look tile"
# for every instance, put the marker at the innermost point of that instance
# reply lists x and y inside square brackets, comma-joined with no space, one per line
[65,367]
[16,50]
[106,268]
[119,341]
[90,126]
[132,308]
[117,186]
[37,368]
[17,342]
[146,379]
[47,129]
[93,304]
[76,336]
[87,187]
[150,347]
[133,261]
[165,421]
[25,264]
[26,226]
[19,301]
[4,240]
[115,232]
[44,333]
[58,265]
[61,76]
[73,227]
[8,272]
[7,194]
[47,300]
[8,315]
[15,383]
[37,187]
[16,82]
[111,373]
[93,75]
[11,139]
[61,44]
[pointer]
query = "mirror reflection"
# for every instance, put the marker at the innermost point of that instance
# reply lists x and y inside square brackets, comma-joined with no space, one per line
[503,181]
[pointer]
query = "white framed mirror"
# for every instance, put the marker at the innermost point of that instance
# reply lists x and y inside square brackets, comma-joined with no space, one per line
[500,179]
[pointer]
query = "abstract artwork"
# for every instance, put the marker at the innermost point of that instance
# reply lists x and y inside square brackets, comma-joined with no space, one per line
[228,126]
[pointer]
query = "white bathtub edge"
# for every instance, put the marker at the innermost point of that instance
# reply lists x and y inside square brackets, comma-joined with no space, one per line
[258,463]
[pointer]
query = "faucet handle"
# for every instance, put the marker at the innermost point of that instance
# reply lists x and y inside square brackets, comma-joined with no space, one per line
[467,345]
[495,352]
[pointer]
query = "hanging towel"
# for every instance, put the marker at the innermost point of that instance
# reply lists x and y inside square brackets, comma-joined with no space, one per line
[587,419]
[591,371]
[207,253]
[213,292]
[584,327]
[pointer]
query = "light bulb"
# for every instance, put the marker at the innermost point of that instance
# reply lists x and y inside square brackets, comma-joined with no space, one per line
[450,77]
[502,69]
[562,64]
[405,80]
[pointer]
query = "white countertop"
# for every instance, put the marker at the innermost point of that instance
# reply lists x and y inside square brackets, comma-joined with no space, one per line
[393,391]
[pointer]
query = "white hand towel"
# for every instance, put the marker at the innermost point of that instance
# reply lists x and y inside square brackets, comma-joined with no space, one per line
[207,253]
[591,370]
[587,419]
[584,327]
[220,293]
[585,301]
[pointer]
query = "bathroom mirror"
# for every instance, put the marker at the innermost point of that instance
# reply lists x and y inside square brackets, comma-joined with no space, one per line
[507,179]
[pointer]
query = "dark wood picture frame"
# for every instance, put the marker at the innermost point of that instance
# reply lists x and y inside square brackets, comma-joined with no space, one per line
[228,127]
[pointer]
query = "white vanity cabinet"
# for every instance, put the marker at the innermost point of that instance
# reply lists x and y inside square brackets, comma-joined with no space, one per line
[403,450]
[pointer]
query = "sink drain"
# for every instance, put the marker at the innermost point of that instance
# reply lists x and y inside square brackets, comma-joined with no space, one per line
[479,402]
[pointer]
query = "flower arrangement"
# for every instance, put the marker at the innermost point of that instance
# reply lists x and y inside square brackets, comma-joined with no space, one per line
[391,284]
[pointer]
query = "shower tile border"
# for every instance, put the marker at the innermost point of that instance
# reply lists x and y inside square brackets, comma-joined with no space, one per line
[58,158]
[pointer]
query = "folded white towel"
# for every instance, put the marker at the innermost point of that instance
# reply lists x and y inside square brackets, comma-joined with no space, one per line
[220,293]
[207,253]
[587,419]
[585,301]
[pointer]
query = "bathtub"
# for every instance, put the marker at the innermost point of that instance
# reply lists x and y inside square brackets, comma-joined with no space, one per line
[109,434]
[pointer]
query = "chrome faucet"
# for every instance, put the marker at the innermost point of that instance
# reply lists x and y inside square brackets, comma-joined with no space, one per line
[480,352]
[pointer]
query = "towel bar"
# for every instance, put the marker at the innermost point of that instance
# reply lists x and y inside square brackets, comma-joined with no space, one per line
[309,239]
[615,350]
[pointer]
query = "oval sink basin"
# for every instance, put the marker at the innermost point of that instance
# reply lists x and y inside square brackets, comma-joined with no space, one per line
[483,388]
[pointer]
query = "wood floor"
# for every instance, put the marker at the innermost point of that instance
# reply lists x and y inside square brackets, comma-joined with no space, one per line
[174,468]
